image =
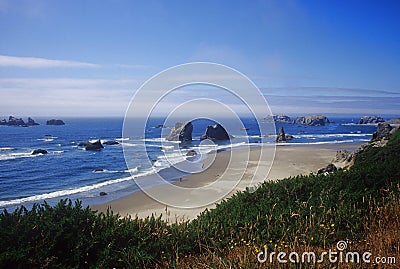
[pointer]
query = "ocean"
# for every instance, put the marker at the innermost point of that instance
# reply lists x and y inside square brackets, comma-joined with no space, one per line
[69,171]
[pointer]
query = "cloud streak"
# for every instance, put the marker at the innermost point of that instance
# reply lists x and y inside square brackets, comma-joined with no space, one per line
[33,62]
[36,62]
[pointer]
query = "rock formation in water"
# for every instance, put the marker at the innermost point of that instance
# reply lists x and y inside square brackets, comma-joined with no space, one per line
[55,122]
[39,151]
[182,131]
[316,120]
[92,146]
[13,121]
[370,120]
[215,132]
[281,137]
[282,119]
[31,122]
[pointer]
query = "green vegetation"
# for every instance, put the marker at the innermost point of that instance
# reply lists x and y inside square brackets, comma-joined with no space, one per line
[303,212]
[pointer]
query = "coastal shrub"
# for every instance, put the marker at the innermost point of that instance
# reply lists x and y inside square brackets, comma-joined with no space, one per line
[312,211]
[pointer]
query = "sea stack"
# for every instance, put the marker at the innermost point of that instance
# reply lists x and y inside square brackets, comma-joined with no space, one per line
[182,131]
[215,132]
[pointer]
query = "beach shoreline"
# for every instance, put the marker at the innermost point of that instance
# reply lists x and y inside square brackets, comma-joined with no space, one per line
[289,160]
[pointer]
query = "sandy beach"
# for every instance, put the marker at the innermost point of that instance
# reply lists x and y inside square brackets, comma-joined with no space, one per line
[216,180]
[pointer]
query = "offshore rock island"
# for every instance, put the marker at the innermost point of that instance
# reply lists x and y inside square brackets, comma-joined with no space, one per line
[13,121]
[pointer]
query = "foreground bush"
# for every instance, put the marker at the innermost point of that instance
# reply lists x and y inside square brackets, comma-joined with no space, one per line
[312,211]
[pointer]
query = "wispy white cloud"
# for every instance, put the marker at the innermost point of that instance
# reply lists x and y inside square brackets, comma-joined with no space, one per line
[36,62]
[33,62]
[65,83]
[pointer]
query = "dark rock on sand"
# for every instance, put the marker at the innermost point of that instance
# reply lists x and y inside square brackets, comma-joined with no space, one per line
[328,169]
[55,122]
[316,120]
[39,151]
[182,131]
[370,120]
[215,132]
[103,193]
[191,153]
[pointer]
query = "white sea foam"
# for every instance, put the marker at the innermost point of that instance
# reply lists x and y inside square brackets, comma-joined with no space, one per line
[329,135]
[105,171]
[122,139]
[6,148]
[46,139]
[61,193]
[132,170]
[16,155]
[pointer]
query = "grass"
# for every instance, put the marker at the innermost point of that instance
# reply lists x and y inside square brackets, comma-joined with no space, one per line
[304,213]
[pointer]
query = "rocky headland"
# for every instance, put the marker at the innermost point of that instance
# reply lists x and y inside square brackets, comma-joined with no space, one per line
[345,159]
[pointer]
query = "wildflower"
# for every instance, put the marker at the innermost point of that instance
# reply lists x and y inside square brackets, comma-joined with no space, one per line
[333,225]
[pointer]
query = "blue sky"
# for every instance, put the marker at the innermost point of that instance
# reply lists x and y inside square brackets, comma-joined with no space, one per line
[74,58]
